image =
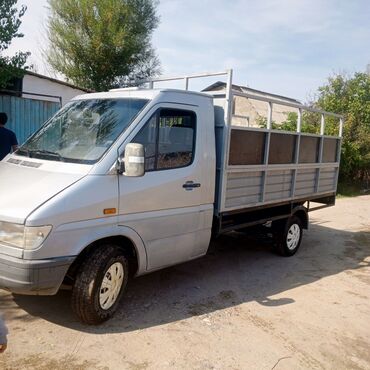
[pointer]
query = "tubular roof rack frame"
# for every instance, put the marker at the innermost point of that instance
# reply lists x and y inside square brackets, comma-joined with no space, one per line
[186,78]
[229,94]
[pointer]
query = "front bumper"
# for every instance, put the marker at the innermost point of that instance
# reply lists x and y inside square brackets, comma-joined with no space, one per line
[33,277]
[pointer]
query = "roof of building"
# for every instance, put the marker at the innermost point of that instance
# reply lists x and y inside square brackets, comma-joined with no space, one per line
[30,73]
[219,85]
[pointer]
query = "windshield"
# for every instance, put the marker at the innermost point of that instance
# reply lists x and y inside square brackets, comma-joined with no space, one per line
[83,130]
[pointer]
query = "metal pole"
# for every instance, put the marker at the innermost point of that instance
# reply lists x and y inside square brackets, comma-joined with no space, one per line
[186,83]
[299,120]
[229,97]
[199,75]
[226,135]
[322,126]
[296,154]
[269,115]
[341,127]
[318,170]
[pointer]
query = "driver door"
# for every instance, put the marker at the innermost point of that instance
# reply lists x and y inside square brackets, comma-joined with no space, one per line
[165,205]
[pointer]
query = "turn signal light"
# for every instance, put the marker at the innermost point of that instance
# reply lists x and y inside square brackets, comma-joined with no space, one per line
[110,211]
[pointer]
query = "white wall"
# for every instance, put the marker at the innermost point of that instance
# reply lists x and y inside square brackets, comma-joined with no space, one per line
[34,84]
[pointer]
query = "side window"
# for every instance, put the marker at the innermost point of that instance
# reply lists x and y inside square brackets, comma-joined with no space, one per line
[169,139]
[176,138]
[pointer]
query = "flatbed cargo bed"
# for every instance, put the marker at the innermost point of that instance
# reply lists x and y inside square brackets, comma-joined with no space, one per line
[264,166]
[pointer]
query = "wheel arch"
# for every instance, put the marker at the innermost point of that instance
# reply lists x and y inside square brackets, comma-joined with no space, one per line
[131,250]
[302,214]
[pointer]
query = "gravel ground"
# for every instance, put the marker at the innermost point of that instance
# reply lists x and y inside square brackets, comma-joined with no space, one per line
[240,307]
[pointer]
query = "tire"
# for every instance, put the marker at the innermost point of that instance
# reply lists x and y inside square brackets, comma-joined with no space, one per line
[288,236]
[99,285]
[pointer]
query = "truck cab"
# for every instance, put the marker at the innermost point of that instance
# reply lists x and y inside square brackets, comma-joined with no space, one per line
[61,195]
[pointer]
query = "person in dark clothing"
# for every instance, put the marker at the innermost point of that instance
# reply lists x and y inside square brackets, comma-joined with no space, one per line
[3,334]
[8,140]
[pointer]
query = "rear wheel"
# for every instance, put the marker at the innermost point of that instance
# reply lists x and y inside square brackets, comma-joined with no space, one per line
[99,285]
[288,235]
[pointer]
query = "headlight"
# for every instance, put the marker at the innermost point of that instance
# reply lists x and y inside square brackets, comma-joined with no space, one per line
[12,234]
[25,237]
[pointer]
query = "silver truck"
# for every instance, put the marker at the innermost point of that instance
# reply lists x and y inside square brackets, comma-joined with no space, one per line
[126,182]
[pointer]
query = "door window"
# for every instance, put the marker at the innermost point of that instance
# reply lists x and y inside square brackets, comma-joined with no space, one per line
[169,139]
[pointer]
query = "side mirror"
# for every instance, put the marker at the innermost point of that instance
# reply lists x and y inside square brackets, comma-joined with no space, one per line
[134,161]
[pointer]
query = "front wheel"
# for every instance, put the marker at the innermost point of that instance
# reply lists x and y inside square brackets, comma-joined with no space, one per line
[99,285]
[288,236]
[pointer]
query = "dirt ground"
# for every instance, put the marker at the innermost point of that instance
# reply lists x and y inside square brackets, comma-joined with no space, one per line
[240,307]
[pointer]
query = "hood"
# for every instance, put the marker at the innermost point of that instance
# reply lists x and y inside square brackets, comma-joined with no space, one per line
[26,185]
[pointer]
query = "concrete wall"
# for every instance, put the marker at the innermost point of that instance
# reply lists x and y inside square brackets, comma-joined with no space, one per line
[256,110]
[251,112]
[34,84]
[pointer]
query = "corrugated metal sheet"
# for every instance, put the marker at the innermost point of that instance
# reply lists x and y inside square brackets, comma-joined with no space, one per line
[25,116]
[328,178]
[305,182]
[243,188]
[278,185]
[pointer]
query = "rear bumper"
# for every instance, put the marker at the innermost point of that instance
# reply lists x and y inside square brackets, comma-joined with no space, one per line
[33,277]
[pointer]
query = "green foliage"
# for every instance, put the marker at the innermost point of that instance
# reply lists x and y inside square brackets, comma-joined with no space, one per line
[10,22]
[100,44]
[349,189]
[310,122]
[350,96]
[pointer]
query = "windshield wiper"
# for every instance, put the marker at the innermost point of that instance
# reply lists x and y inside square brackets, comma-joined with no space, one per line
[21,151]
[45,152]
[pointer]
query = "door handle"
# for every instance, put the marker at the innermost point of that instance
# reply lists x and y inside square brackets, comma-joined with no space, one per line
[190,185]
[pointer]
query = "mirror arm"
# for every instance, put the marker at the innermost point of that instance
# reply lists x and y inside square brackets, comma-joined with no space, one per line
[120,166]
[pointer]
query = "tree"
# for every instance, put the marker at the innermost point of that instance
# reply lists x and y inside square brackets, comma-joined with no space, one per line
[349,95]
[100,44]
[10,22]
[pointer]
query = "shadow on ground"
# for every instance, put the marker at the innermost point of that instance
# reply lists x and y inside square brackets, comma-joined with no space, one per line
[238,269]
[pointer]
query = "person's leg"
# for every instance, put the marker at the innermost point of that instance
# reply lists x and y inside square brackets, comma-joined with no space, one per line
[3,335]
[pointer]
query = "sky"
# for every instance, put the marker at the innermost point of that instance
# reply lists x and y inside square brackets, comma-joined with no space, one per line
[286,47]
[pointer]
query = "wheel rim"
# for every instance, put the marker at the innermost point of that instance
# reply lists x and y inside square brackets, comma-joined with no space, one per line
[111,285]
[292,239]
